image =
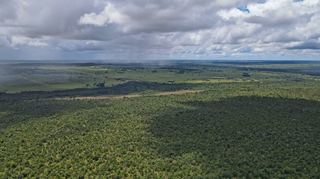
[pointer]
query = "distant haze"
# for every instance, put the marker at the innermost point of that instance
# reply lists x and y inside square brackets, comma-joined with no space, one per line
[151,29]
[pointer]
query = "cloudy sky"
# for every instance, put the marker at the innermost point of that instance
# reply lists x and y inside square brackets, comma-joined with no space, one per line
[154,29]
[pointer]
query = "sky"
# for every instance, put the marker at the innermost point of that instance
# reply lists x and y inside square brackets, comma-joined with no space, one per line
[136,30]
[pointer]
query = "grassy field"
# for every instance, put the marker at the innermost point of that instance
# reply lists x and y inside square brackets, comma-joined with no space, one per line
[187,119]
[17,77]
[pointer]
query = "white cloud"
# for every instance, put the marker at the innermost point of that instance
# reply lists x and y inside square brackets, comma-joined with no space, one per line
[37,43]
[166,28]
[19,41]
[16,41]
[108,16]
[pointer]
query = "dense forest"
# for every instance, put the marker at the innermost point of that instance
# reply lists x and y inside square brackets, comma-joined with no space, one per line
[259,120]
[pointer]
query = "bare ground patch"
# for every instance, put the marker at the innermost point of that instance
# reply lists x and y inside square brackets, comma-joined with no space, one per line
[134,95]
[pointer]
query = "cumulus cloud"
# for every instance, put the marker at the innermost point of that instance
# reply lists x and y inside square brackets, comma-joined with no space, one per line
[16,41]
[108,16]
[164,29]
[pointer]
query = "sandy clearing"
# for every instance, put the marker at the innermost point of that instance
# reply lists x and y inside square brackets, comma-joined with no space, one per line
[135,95]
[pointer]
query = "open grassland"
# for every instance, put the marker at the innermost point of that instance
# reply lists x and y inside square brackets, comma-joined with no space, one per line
[226,122]
[17,77]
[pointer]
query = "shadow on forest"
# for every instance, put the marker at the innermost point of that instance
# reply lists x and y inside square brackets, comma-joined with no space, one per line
[20,111]
[244,135]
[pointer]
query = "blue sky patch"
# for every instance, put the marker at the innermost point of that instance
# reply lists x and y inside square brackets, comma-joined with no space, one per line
[244,9]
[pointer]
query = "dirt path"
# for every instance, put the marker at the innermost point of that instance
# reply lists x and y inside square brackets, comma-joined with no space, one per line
[34,81]
[135,95]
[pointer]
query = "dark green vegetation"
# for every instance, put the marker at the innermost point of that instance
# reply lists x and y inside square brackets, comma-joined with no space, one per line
[258,120]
